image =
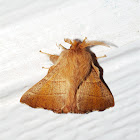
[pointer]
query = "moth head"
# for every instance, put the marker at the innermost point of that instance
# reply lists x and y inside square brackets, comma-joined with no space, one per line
[77,44]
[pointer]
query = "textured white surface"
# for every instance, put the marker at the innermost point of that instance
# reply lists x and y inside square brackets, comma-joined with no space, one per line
[30,25]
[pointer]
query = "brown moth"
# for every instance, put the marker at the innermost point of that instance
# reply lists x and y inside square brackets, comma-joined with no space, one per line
[73,83]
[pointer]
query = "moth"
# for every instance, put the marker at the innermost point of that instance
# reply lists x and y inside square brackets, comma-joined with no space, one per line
[73,84]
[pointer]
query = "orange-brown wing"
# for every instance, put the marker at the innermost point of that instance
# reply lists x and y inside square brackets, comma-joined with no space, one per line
[93,94]
[49,93]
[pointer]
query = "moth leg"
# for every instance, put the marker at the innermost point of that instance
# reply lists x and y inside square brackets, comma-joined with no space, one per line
[68,41]
[61,46]
[53,58]
[45,53]
[101,56]
[44,68]
[85,39]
